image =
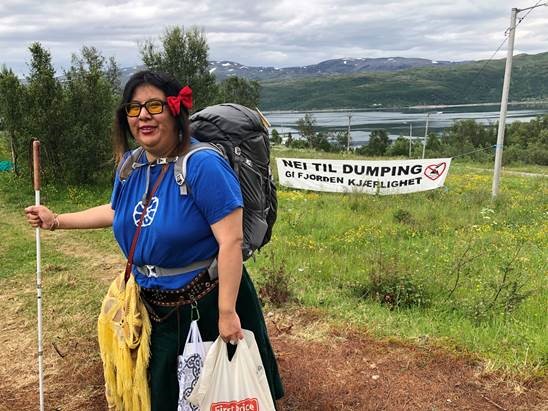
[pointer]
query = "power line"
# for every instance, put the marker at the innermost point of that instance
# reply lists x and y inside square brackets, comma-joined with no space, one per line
[506,36]
[475,151]
[530,9]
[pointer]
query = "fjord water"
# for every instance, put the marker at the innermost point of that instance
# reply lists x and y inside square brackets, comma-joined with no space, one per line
[399,121]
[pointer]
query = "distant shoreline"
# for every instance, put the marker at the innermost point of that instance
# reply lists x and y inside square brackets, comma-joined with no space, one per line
[418,107]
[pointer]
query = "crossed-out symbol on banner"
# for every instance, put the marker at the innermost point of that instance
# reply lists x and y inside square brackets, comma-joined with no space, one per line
[434,171]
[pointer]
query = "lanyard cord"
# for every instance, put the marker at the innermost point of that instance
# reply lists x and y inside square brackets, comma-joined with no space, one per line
[140,223]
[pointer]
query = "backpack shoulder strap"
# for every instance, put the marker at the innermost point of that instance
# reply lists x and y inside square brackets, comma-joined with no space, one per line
[127,165]
[180,165]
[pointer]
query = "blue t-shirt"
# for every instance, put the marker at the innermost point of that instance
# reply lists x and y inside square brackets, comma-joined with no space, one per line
[176,230]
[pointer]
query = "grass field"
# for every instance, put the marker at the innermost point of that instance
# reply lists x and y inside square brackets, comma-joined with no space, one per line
[448,267]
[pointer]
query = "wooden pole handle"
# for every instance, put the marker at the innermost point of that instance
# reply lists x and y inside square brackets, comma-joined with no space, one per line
[36,164]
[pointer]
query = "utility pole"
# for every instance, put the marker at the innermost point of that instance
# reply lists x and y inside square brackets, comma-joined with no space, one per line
[504,104]
[426,130]
[505,93]
[425,134]
[348,138]
[410,137]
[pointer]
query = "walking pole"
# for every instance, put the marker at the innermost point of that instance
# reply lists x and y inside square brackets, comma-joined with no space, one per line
[36,167]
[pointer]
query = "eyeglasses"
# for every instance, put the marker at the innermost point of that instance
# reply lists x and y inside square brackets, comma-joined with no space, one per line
[133,109]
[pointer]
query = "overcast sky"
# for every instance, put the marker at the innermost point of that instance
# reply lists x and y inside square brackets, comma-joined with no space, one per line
[277,33]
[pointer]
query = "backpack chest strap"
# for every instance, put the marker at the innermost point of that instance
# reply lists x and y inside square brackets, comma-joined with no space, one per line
[131,162]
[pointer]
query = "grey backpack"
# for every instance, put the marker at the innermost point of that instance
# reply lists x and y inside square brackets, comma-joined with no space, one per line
[240,135]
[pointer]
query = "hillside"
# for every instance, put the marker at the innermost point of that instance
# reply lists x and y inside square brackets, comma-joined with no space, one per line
[342,66]
[453,84]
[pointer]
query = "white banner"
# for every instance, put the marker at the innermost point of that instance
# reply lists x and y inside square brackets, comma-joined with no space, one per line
[369,177]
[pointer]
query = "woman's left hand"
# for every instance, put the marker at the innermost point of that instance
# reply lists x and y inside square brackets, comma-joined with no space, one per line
[230,328]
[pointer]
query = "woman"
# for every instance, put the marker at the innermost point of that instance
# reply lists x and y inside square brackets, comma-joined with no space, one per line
[177,232]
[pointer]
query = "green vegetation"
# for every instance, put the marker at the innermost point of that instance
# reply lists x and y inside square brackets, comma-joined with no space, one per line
[467,83]
[71,119]
[72,116]
[524,142]
[448,267]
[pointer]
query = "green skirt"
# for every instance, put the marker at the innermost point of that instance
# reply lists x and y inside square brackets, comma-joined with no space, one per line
[168,339]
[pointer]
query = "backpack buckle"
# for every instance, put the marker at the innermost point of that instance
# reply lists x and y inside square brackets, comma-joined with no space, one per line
[179,179]
[237,151]
[151,271]
[161,160]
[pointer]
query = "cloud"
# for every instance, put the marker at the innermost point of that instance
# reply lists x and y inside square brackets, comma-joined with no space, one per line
[280,33]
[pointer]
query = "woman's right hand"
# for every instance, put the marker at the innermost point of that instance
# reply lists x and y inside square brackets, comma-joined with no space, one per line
[40,216]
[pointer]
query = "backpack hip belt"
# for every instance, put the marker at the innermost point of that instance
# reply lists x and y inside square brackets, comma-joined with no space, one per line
[155,271]
[194,291]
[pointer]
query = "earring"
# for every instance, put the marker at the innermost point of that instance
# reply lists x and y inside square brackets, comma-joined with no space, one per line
[180,136]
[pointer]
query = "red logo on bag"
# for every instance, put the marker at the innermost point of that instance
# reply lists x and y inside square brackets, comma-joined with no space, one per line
[249,404]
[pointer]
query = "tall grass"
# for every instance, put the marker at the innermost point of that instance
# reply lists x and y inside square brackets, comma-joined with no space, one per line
[448,267]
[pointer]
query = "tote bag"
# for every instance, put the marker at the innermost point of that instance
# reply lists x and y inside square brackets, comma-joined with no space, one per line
[123,330]
[240,383]
[189,365]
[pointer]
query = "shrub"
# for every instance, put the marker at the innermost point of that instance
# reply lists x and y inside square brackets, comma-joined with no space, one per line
[390,285]
[276,288]
[397,290]
[403,216]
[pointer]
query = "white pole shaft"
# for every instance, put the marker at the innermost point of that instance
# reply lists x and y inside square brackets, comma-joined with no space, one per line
[410,137]
[348,134]
[425,135]
[504,104]
[39,306]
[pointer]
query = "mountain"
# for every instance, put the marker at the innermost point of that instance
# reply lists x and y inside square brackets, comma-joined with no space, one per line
[387,82]
[223,69]
[472,82]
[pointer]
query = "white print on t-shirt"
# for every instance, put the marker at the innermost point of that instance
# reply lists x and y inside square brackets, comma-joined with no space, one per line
[151,212]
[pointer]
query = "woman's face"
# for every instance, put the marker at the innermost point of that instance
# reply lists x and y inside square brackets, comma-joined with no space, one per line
[157,133]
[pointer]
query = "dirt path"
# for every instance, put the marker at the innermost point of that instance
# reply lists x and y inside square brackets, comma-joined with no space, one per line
[346,370]
[350,371]
[323,368]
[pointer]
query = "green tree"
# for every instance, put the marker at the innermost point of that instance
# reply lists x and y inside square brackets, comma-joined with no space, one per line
[433,142]
[275,137]
[114,76]
[289,140]
[184,55]
[239,90]
[340,139]
[400,147]
[378,142]
[90,99]
[44,114]
[466,134]
[321,142]
[306,126]
[11,110]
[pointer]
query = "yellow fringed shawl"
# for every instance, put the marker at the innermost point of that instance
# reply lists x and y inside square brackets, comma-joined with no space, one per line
[124,340]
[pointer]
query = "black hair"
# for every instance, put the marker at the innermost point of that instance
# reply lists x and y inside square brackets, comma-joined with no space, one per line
[170,86]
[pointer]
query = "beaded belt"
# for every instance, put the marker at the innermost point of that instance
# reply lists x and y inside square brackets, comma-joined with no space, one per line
[192,292]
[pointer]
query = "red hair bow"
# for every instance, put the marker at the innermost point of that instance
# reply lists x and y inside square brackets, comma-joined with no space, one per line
[184,97]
